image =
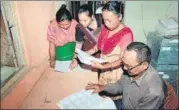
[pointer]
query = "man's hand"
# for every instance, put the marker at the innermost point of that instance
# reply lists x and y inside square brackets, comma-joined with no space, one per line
[97,65]
[96,87]
[73,64]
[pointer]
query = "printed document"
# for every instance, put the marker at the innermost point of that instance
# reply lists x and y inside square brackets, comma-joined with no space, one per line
[86,100]
[86,58]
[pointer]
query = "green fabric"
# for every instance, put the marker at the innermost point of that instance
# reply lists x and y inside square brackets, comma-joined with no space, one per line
[65,52]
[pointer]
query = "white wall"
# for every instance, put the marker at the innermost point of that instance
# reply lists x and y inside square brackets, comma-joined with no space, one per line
[33,18]
[150,12]
[59,4]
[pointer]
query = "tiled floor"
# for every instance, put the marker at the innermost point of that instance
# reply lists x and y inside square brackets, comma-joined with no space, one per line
[54,86]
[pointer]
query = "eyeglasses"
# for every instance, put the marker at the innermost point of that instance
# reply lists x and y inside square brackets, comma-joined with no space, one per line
[131,68]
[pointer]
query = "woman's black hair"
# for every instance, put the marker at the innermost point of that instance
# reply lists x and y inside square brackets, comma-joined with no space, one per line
[63,14]
[86,8]
[114,6]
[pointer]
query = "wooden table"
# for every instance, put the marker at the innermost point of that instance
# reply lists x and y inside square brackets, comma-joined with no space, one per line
[54,86]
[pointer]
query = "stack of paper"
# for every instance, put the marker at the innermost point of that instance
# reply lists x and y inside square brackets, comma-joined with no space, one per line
[86,58]
[86,100]
[167,27]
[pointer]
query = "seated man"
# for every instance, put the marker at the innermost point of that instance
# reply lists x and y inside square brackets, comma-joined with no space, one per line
[141,87]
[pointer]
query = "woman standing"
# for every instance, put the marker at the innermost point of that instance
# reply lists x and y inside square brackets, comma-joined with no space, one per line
[113,39]
[87,31]
[61,32]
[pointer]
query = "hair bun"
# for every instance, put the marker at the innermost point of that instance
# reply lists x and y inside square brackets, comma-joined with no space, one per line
[63,6]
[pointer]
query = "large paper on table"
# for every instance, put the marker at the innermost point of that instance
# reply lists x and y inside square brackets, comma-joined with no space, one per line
[86,100]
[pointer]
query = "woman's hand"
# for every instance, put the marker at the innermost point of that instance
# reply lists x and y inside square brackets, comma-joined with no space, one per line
[73,64]
[52,54]
[97,65]
[52,63]
[96,87]
[92,50]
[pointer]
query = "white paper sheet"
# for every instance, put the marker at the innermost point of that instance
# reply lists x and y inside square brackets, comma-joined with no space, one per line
[86,100]
[86,58]
[62,66]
